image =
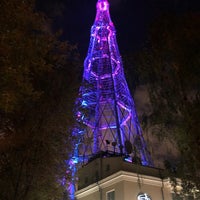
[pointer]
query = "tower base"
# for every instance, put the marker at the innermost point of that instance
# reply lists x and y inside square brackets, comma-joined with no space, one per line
[113,178]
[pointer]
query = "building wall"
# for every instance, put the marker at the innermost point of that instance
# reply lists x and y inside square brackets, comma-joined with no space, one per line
[126,186]
[156,192]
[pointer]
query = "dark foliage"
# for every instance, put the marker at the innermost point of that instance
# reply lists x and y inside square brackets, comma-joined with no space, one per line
[38,83]
[169,66]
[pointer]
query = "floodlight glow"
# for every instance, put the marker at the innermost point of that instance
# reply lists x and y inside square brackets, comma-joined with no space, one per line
[143,196]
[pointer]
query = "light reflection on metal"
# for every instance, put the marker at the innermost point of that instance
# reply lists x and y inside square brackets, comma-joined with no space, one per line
[105,108]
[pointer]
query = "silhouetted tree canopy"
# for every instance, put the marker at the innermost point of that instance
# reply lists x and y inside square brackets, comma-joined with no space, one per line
[169,66]
[38,83]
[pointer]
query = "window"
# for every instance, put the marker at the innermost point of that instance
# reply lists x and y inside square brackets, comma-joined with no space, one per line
[143,196]
[110,195]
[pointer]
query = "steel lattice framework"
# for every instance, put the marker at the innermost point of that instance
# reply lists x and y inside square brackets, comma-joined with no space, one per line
[105,111]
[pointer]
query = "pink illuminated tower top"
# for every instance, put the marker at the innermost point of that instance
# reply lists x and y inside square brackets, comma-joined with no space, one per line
[102,5]
[103,14]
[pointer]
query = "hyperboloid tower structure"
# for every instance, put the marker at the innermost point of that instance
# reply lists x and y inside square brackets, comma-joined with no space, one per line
[105,108]
[107,125]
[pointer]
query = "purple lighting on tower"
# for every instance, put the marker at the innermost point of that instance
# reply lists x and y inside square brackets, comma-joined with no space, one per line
[102,5]
[105,108]
[105,111]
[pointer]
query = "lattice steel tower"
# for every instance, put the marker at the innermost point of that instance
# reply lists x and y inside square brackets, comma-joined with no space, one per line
[107,123]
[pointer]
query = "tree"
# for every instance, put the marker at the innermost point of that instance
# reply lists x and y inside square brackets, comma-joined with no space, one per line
[169,65]
[38,84]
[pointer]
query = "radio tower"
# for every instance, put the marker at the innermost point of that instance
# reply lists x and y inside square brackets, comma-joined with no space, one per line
[107,122]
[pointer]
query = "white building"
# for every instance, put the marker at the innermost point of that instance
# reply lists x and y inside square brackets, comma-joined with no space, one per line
[113,178]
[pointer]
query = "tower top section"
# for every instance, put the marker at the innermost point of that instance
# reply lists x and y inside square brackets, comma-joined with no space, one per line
[103,14]
[102,5]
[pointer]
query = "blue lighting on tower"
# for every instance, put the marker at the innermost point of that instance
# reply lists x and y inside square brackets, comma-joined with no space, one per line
[105,111]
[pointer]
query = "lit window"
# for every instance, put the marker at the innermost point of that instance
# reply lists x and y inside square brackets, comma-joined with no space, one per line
[110,195]
[143,196]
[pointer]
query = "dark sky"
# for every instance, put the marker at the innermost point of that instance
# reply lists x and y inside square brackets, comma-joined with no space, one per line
[132,18]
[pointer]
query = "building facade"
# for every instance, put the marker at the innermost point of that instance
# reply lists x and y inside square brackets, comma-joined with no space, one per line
[116,179]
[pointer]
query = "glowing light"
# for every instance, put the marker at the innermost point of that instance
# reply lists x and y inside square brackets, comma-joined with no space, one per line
[143,196]
[84,103]
[102,5]
[128,159]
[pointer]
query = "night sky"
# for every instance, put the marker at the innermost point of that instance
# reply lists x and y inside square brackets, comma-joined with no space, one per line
[132,19]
